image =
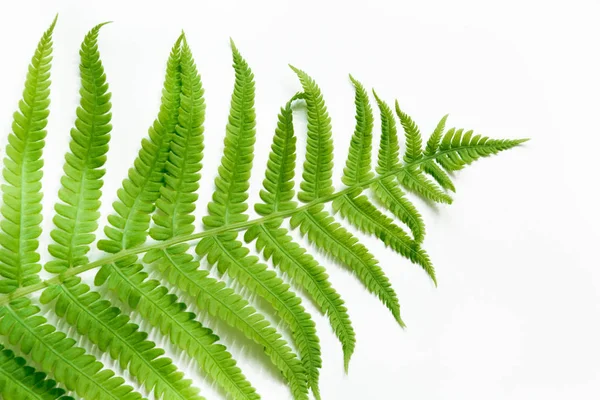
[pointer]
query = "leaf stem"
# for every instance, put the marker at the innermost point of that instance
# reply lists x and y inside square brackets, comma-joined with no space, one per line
[111,258]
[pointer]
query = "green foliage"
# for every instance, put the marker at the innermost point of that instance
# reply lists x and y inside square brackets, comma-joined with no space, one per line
[158,200]
[18,380]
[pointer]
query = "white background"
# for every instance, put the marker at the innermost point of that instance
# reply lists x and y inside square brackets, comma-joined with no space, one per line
[517,311]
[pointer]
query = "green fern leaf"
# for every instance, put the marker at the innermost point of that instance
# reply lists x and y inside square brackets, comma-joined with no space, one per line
[389,148]
[229,206]
[211,295]
[176,203]
[317,169]
[278,186]
[388,193]
[361,213]
[412,179]
[358,164]
[228,203]
[21,323]
[21,196]
[413,136]
[434,140]
[394,199]
[357,209]
[158,199]
[77,215]
[76,221]
[139,192]
[113,333]
[20,381]
[274,242]
[174,217]
[331,237]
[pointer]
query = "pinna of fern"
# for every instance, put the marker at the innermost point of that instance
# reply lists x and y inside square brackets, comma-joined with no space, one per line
[158,199]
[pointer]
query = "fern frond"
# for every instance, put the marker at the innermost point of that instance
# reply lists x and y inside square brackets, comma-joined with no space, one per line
[414,143]
[361,213]
[20,381]
[108,328]
[21,195]
[70,365]
[176,203]
[438,174]
[274,242]
[389,147]
[318,165]
[356,208]
[414,180]
[231,256]
[77,214]
[358,164]
[174,217]
[385,190]
[129,226]
[332,238]
[76,222]
[211,295]
[162,310]
[229,206]
[228,203]
[433,142]
[157,199]
[278,186]
[394,199]
[76,218]
[465,148]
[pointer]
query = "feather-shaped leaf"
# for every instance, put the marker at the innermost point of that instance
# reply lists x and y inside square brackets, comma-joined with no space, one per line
[211,295]
[129,225]
[20,381]
[358,164]
[317,168]
[21,194]
[77,213]
[434,140]
[228,203]
[70,365]
[393,198]
[108,328]
[414,144]
[386,191]
[277,245]
[332,238]
[176,203]
[229,206]
[174,217]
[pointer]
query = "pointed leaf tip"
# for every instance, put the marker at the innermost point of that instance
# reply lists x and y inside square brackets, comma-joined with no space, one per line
[232,44]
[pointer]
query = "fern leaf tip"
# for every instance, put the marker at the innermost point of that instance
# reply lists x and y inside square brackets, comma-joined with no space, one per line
[53,24]
[232,44]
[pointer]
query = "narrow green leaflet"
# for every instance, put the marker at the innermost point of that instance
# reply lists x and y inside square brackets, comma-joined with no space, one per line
[19,380]
[229,205]
[151,254]
[70,365]
[76,219]
[276,244]
[22,170]
[129,225]
[317,168]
